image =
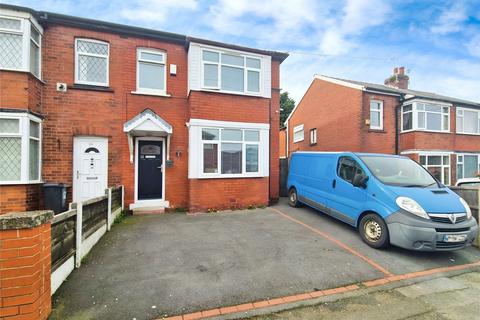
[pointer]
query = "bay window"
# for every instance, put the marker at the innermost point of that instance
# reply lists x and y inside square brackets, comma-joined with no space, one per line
[468,121]
[20,148]
[468,165]
[426,116]
[231,72]
[228,150]
[20,44]
[438,166]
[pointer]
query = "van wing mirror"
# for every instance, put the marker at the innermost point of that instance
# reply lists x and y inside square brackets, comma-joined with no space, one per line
[360,181]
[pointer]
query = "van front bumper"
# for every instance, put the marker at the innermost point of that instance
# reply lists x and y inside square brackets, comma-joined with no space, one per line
[414,233]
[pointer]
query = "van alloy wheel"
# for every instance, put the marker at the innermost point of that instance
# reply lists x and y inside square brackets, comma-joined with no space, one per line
[293,197]
[373,231]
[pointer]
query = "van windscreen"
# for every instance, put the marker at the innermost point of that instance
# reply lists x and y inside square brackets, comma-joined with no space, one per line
[396,171]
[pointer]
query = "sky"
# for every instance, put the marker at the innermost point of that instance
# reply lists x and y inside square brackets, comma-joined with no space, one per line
[437,41]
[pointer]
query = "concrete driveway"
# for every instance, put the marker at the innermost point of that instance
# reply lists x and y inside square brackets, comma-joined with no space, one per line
[157,266]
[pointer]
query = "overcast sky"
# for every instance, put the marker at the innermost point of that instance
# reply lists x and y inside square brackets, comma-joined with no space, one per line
[437,41]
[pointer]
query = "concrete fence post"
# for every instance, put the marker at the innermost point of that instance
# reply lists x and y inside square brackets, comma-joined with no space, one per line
[123,197]
[78,235]
[25,265]
[109,210]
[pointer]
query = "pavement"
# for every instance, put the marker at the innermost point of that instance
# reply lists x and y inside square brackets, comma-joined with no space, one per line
[443,298]
[159,266]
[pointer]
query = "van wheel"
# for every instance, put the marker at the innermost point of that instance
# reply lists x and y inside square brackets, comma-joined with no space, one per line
[374,231]
[293,198]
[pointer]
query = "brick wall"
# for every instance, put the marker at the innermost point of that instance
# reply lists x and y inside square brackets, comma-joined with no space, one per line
[335,111]
[221,194]
[19,197]
[20,90]
[282,142]
[25,273]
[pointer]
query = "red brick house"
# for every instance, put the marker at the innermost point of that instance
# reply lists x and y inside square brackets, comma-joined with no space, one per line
[181,122]
[442,133]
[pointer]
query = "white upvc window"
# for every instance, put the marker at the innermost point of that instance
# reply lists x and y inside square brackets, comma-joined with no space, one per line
[313,136]
[298,133]
[231,72]
[151,71]
[468,165]
[376,115]
[438,165]
[425,116]
[20,148]
[468,121]
[228,150]
[20,44]
[92,62]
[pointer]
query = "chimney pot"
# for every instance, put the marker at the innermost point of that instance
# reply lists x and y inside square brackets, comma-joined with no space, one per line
[399,79]
[401,70]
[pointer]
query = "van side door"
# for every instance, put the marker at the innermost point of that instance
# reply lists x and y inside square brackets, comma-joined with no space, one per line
[347,201]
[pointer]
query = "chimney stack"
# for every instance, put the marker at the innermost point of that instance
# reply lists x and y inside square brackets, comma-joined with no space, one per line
[398,80]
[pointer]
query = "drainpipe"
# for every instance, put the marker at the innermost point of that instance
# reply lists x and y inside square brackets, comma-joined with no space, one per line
[398,110]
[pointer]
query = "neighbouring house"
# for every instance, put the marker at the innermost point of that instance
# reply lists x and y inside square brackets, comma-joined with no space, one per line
[442,133]
[181,122]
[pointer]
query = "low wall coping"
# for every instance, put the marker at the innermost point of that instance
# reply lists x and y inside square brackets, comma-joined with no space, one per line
[25,220]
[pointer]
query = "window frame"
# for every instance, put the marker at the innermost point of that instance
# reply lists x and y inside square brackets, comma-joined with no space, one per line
[460,113]
[164,63]
[219,143]
[297,129]
[245,68]
[25,136]
[379,111]
[458,162]
[26,23]
[442,165]
[415,111]
[91,83]
[313,136]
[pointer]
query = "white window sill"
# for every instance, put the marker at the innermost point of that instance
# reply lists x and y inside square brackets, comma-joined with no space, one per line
[250,94]
[297,141]
[10,183]
[141,93]
[229,176]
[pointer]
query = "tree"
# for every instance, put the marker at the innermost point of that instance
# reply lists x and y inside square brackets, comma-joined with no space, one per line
[286,106]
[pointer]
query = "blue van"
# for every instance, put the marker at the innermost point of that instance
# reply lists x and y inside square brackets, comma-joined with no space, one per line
[390,199]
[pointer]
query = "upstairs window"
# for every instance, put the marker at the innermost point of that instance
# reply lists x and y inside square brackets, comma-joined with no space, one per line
[423,116]
[376,115]
[231,72]
[151,75]
[20,148]
[313,136]
[20,45]
[91,62]
[468,121]
[298,133]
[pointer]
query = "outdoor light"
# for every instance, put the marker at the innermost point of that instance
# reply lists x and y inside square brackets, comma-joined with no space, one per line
[467,208]
[412,206]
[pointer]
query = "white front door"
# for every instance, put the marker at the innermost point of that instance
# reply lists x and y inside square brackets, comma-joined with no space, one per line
[90,167]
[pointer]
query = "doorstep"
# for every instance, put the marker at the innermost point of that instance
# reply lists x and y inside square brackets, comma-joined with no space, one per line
[149,207]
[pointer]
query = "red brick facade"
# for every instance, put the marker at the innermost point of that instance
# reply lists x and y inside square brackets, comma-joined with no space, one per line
[102,113]
[341,114]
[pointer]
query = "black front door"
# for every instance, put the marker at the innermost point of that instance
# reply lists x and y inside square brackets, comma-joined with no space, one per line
[150,169]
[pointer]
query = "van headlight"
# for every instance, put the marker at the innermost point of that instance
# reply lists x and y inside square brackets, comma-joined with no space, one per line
[412,206]
[467,208]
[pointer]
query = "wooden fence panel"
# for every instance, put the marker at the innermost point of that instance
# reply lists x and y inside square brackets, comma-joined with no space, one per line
[94,215]
[116,198]
[63,238]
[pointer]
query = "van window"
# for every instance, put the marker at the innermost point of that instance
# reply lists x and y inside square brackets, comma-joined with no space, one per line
[348,168]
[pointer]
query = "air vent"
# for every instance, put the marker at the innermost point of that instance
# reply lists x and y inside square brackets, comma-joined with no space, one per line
[439,191]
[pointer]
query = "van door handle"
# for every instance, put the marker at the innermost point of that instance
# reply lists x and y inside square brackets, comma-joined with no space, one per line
[334,183]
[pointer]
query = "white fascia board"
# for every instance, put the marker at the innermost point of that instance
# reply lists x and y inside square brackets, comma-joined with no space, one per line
[228,124]
[426,100]
[340,82]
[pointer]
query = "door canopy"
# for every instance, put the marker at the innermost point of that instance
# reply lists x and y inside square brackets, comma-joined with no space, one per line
[147,124]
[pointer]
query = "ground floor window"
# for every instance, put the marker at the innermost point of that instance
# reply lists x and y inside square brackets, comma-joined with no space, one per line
[468,165]
[437,165]
[20,148]
[228,149]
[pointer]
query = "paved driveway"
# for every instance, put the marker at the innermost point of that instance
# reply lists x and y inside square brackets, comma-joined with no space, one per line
[154,266]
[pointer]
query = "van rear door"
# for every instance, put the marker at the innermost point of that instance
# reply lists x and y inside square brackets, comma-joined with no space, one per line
[346,201]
